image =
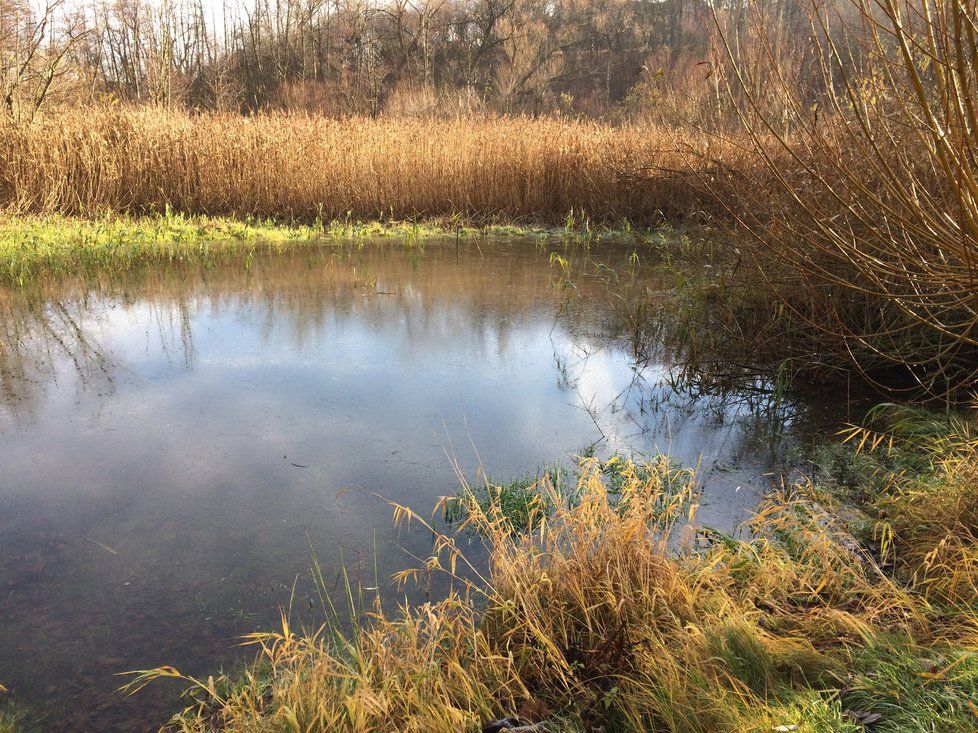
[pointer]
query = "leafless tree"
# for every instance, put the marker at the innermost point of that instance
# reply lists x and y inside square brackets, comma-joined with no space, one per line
[34,51]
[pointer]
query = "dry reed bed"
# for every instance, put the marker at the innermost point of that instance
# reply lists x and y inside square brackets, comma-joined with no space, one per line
[86,161]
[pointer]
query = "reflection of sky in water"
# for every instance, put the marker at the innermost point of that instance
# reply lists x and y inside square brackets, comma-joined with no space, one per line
[157,499]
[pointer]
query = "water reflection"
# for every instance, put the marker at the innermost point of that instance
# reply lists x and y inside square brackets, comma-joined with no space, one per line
[171,443]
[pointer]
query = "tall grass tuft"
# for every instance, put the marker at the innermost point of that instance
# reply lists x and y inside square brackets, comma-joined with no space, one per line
[614,613]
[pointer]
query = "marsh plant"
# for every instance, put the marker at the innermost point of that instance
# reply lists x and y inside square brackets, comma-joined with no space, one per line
[614,613]
[868,190]
[305,168]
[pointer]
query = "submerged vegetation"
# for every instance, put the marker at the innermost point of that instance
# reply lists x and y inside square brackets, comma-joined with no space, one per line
[616,613]
[12,719]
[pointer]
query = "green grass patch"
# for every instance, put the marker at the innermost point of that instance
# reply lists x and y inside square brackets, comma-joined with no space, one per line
[899,686]
[35,246]
[527,500]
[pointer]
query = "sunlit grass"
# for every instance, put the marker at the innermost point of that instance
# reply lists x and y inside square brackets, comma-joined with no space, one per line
[926,471]
[614,613]
[35,246]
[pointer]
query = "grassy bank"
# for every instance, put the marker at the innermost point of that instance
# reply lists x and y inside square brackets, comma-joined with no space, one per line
[612,615]
[34,246]
[85,188]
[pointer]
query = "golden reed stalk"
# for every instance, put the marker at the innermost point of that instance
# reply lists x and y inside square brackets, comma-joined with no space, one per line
[297,166]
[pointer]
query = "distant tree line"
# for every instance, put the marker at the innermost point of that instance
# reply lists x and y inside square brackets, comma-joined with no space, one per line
[344,57]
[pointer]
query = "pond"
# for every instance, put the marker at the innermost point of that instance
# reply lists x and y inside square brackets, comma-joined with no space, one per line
[176,445]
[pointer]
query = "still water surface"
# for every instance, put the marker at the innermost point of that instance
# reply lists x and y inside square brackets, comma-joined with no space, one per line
[171,445]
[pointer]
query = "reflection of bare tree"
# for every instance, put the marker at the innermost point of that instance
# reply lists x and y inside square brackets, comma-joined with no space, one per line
[673,377]
[420,298]
[673,397]
[36,335]
[173,323]
[438,293]
[40,333]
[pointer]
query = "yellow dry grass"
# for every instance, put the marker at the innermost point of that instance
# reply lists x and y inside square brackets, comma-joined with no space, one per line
[608,614]
[297,166]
